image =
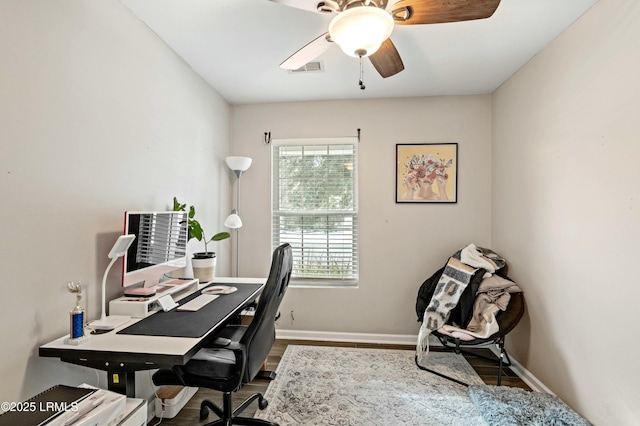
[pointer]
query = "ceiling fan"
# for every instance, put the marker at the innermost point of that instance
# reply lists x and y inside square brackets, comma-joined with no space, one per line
[362,27]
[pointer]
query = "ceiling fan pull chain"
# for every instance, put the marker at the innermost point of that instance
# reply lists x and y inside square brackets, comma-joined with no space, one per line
[361,82]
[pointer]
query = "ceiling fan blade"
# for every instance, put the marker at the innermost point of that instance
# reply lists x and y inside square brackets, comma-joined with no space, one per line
[308,53]
[411,12]
[387,60]
[317,6]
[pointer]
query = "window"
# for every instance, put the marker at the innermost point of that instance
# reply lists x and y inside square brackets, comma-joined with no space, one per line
[315,208]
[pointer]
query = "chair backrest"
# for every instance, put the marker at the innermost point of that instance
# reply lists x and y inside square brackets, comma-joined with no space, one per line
[508,319]
[261,333]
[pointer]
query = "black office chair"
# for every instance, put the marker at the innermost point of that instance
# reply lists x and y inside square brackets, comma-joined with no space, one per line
[235,357]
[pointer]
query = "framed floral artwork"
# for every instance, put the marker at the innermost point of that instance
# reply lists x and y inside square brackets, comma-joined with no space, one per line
[427,173]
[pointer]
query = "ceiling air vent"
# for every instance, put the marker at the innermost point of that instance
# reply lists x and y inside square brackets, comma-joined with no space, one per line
[315,66]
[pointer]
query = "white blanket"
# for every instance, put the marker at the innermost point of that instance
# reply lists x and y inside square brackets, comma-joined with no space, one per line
[457,274]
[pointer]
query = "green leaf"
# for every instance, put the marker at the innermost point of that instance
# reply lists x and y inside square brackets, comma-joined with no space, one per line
[220,236]
[195,229]
[177,207]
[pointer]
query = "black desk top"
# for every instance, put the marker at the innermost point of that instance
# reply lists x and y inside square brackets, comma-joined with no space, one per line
[194,324]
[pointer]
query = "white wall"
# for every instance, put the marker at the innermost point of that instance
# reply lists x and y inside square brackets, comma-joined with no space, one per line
[97,116]
[401,244]
[566,208]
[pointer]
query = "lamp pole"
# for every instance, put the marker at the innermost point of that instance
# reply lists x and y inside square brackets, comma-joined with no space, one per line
[238,174]
[238,165]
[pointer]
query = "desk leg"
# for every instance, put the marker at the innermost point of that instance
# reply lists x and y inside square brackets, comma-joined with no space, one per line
[122,382]
[266,375]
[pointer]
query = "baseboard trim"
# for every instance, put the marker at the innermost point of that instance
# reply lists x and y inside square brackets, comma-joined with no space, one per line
[328,336]
[399,339]
[532,381]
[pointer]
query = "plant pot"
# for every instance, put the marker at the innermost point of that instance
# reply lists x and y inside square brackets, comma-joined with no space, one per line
[204,266]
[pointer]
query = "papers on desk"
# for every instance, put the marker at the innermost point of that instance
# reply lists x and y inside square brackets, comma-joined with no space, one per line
[63,405]
[102,407]
[44,407]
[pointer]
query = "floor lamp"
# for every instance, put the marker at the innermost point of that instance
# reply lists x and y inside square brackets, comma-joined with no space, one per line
[233,221]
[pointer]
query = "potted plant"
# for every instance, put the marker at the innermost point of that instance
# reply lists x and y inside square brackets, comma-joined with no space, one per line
[203,263]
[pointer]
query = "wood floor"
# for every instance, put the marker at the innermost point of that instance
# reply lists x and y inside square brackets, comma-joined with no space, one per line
[189,415]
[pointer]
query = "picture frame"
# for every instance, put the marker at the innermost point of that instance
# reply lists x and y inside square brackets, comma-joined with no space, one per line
[427,173]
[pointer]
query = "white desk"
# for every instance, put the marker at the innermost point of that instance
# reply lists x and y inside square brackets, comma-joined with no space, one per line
[120,355]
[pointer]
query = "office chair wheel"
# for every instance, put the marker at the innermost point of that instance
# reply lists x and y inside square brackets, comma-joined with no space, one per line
[262,403]
[204,412]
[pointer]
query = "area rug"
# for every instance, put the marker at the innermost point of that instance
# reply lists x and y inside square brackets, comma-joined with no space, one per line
[330,386]
[505,406]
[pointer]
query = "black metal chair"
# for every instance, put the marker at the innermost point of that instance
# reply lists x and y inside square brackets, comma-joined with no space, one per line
[235,357]
[506,320]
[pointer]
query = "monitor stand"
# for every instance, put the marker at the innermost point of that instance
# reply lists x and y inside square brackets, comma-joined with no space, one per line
[140,292]
[141,307]
[110,322]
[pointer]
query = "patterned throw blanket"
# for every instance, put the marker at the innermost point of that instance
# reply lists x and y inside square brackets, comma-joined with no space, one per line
[454,279]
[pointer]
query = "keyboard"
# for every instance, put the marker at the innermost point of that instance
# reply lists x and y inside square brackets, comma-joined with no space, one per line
[198,302]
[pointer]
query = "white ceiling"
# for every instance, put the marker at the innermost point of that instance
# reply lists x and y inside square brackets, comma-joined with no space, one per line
[237,45]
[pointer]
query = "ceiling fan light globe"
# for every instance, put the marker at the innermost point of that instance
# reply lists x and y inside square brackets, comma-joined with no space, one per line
[360,31]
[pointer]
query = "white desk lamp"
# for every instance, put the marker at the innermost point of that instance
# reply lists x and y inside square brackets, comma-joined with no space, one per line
[233,221]
[110,322]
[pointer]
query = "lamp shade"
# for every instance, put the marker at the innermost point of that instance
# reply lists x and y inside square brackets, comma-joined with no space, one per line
[361,30]
[121,246]
[233,221]
[238,163]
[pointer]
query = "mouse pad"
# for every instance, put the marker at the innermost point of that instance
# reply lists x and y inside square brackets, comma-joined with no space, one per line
[193,324]
[219,289]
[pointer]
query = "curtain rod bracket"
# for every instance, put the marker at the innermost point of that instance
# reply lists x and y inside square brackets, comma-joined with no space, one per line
[267,138]
[358,135]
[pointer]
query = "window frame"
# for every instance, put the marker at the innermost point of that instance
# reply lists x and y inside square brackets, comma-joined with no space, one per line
[319,282]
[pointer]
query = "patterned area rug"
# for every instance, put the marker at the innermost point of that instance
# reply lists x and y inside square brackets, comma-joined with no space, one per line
[330,386]
[504,406]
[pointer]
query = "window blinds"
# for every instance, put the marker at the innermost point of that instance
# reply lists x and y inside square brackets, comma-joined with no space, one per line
[315,207]
[161,238]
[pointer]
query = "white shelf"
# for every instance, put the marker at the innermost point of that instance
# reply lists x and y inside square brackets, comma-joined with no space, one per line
[140,307]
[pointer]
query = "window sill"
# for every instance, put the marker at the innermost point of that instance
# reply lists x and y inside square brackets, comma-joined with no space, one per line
[320,283]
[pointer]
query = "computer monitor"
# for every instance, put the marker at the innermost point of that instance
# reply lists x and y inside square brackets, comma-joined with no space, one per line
[160,247]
